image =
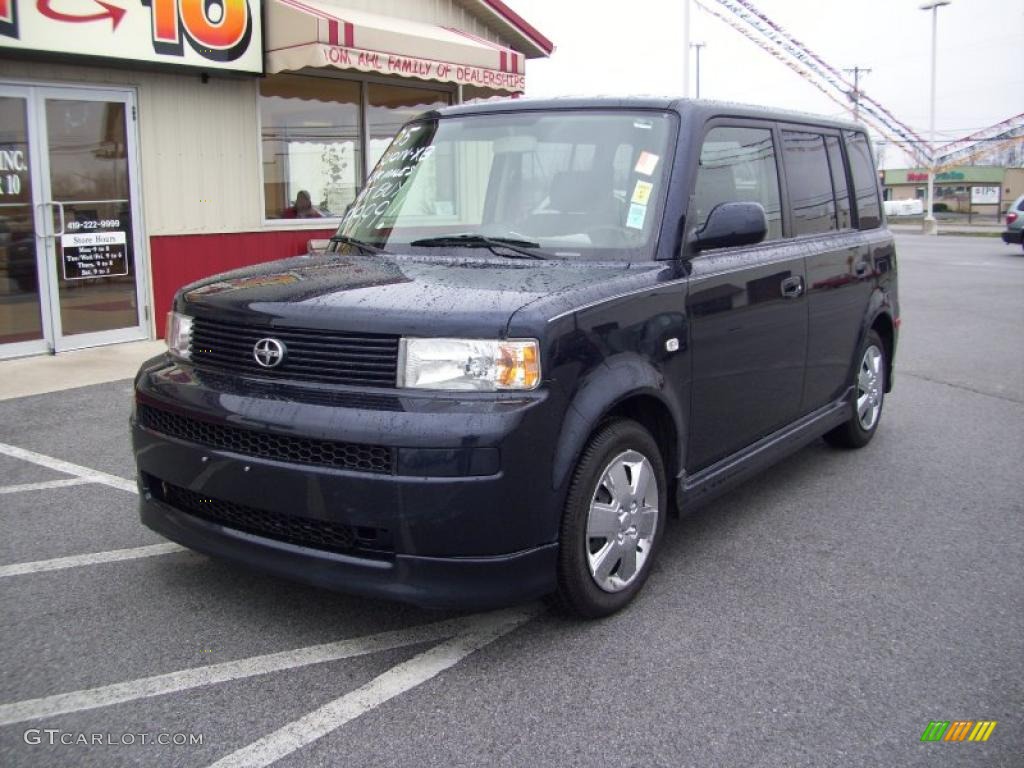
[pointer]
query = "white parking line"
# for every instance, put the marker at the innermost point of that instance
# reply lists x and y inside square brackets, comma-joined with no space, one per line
[93,558]
[473,632]
[382,688]
[45,485]
[59,465]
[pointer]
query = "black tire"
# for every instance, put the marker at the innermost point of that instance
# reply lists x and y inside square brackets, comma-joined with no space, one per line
[578,592]
[852,433]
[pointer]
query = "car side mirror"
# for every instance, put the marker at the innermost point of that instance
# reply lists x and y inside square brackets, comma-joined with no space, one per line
[732,224]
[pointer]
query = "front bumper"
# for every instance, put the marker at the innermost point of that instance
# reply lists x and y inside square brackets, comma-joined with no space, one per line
[462,520]
[464,583]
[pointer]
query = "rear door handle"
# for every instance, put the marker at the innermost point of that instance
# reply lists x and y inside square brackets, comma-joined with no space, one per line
[793,287]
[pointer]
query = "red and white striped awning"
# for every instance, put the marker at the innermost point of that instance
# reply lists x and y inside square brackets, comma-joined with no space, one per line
[313,33]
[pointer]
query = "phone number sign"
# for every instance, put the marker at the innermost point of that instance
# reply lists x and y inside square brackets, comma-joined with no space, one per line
[94,254]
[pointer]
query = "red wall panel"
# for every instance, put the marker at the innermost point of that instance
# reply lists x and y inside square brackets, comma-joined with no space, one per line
[177,260]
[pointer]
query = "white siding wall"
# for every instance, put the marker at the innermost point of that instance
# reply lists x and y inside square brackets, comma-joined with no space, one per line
[198,144]
[444,13]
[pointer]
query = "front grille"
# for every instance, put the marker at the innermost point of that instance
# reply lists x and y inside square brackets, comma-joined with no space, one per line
[267,445]
[304,531]
[310,355]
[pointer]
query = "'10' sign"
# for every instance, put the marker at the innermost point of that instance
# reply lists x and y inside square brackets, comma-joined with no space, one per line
[219,31]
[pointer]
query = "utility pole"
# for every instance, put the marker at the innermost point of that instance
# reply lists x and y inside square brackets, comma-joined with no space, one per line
[698,46]
[856,72]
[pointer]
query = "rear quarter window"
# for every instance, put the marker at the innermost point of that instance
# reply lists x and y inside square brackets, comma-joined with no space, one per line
[865,181]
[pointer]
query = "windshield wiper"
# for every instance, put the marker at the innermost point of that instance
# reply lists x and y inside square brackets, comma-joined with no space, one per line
[512,244]
[368,247]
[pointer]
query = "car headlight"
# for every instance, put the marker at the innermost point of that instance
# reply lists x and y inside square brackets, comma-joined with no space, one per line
[475,364]
[179,335]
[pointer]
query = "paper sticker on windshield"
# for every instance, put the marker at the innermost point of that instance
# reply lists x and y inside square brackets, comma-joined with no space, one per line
[646,163]
[642,192]
[637,214]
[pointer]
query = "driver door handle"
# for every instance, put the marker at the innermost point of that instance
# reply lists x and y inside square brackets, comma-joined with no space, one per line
[793,287]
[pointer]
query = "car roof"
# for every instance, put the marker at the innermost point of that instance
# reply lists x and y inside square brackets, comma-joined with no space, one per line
[691,109]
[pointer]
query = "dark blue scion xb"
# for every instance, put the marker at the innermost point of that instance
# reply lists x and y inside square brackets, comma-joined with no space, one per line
[542,328]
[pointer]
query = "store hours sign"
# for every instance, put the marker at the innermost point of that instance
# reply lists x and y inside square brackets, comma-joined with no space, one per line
[209,34]
[94,254]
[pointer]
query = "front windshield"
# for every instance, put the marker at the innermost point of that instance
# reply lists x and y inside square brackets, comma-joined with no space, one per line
[561,183]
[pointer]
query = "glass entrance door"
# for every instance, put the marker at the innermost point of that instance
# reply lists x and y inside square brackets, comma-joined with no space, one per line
[84,243]
[89,210]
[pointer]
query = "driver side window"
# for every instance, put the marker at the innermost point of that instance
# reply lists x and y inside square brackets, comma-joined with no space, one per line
[738,165]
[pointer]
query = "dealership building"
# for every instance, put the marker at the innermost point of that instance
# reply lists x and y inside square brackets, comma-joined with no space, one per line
[147,144]
[980,189]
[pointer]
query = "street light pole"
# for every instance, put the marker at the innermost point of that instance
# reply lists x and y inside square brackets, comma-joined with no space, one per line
[697,47]
[930,227]
[686,48]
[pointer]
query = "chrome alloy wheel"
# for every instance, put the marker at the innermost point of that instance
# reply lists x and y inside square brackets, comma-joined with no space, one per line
[622,521]
[870,385]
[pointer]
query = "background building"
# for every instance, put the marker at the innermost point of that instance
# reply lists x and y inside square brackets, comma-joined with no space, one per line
[976,189]
[146,145]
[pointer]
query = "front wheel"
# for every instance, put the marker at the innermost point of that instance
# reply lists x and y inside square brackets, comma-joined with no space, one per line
[613,518]
[868,397]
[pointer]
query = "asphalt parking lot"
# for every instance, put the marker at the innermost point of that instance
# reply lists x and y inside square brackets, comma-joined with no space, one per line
[821,614]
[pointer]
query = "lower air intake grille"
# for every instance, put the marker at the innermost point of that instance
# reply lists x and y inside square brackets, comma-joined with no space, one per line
[266,445]
[303,531]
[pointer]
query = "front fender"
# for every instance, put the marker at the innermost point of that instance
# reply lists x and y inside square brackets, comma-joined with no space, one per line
[601,390]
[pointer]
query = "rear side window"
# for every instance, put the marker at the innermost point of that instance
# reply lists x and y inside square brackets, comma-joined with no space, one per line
[844,217]
[738,165]
[865,182]
[809,182]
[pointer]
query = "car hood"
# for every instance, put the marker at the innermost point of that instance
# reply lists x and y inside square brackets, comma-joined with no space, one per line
[408,295]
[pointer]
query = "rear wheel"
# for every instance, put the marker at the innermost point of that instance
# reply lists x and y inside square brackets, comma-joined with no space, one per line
[868,397]
[613,518]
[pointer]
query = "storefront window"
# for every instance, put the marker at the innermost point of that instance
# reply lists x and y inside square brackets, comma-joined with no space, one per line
[312,146]
[20,313]
[312,153]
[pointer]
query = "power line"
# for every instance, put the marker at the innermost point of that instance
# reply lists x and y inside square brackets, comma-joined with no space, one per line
[777,43]
[745,18]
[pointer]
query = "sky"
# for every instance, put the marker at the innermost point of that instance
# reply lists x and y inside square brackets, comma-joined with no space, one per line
[634,48]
